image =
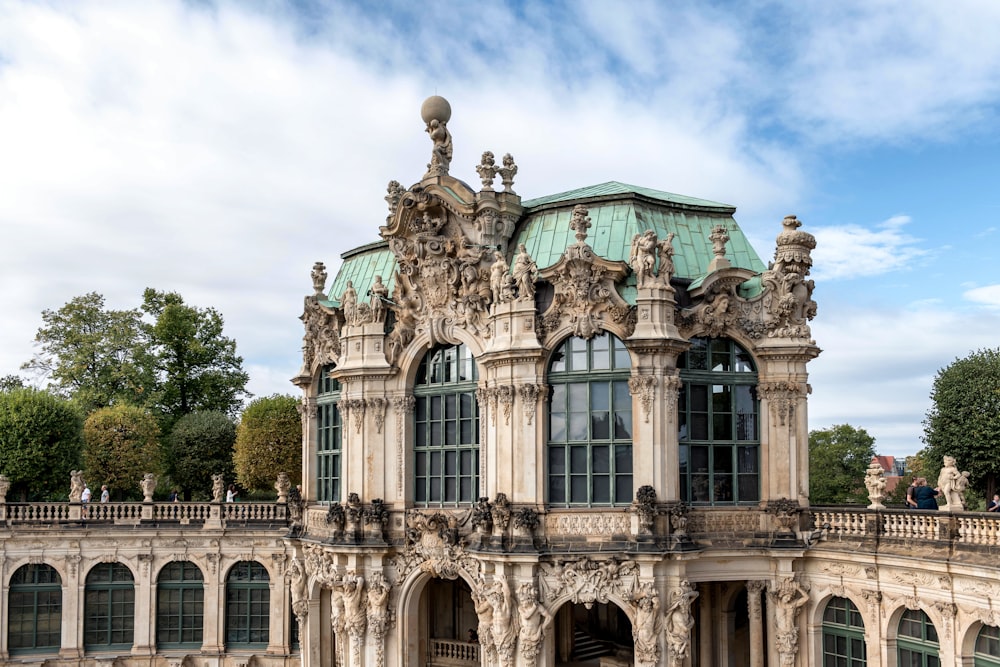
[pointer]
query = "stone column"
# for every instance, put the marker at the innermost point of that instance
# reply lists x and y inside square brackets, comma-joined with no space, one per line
[754,590]
[71,645]
[145,608]
[213,641]
[705,625]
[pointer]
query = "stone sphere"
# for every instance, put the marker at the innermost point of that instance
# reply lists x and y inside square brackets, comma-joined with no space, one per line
[435,107]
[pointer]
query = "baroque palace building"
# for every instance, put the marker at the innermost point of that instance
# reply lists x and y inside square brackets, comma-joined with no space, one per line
[570,430]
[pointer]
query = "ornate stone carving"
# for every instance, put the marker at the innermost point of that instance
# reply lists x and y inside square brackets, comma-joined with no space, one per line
[394,193]
[432,544]
[436,112]
[352,588]
[321,341]
[487,170]
[526,520]
[335,518]
[282,486]
[785,513]
[525,274]
[840,569]
[680,621]
[501,282]
[218,487]
[644,508]
[482,516]
[643,387]
[718,311]
[671,388]
[4,487]
[501,513]
[148,486]
[788,597]
[585,295]
[356,409]
[319,277]
[586,581]
[507,173]
[76,485]
[952,485]
[781,396]
[379,298]
[787,300]
[504,626]
[505,397]
[647,626]
[678,512]
[598,523]
[645,253]
[403,405]
[377,405]
[378,614]
[875,483]
[754,607]
[297,578]
[529,399]
[534,620]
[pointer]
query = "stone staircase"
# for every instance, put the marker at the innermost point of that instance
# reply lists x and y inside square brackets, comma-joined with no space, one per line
[586,648]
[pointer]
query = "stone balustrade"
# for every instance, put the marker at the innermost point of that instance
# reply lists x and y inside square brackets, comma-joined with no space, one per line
[452,652]
[977,529]
[196,514]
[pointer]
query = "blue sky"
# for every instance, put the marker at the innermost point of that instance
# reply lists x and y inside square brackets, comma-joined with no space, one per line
[219,149]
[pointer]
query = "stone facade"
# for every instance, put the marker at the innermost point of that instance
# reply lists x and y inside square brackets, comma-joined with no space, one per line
[546,431]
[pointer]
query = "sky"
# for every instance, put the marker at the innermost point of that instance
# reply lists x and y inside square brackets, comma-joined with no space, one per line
[219,149]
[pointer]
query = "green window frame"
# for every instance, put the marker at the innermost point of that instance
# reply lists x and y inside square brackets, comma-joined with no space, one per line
[718,424]
[34,610]
[988,647]
[843,635]
[329,439]
[446,428]
[589,442]
[109,607]
[180,606]
[917,641]
[248,606]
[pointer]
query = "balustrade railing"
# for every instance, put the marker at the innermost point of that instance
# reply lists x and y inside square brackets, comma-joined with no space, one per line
[453,652]
[973,528]
[130,514]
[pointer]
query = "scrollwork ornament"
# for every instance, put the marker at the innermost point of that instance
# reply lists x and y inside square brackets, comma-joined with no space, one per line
[505,396]
[377,405]
[529,399]
[644,387]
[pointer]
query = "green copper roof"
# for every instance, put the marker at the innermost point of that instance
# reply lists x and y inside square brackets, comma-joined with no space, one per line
[614,188]
[360,266]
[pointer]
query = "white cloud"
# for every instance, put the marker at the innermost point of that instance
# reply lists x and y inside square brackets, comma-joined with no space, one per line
[853,251]
[988,295]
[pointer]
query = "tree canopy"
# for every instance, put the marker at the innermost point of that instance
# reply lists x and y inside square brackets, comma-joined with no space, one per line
[121,444]
[88,353]
[269,441]
[964,419]
[200,445]
[838,459]
[196,367]
[40,443]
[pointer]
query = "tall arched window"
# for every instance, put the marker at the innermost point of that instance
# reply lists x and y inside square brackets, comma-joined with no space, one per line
[446,428]
[109,607]
[328,438]
[589,450]
[248,604]
[180,600]
[34,610]
[843,635]
[719,433]
[917,643]
[988,647]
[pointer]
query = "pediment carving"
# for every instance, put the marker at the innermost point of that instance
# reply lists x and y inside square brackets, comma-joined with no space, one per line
[587,581]
[585,296]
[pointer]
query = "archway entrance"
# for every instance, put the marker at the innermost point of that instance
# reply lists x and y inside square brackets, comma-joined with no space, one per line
[583,636]
[448,620]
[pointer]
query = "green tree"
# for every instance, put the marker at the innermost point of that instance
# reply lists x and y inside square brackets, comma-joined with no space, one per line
[88,353]
[964,420]
[9,382]
[195,366]
[120,444]
[269,441]
[838,459]
[200,445]
[40,443]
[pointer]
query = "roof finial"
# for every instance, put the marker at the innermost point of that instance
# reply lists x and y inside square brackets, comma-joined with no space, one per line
[580,222]
[436,112]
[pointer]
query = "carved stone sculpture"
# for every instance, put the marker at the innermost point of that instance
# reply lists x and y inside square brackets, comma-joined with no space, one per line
[484,612]
[338,623]
[297,579]
[787,300]
[875,483]
[148,486]
[680,621]
[321,341]
[436,112]
[487,170]
[355,617]
[501,513]
[501,282]
[319,277]
[76,485]
[788,597]
[646,629]
[507,173]
[282,486]
[644,508]
[534,620]
[4,488]
[378,614]
[218,488]
[525,274]
[952,484]
[504,627]
[394,193]
[379,295]
[643,257]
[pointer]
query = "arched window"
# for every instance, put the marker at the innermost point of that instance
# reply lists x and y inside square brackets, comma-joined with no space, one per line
[446,425]
[109,607]
[328,438]
[843,635]
[589,450]
[248,605]
[988,647]
[34,610]
[917,644]
[717,421]
[180,595]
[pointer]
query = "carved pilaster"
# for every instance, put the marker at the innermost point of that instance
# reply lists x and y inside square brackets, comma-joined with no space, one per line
[356,409]
[377,405]
[403,406]
[505,397]
[781,396]
[529,398]
[643,387]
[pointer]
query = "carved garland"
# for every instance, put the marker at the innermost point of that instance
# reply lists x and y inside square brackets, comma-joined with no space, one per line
[781,396]
[378,405]
[643,386]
